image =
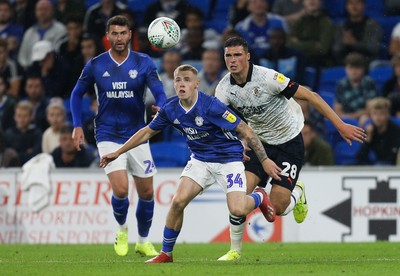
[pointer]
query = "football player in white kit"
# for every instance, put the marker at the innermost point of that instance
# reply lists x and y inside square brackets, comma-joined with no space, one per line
[264,98]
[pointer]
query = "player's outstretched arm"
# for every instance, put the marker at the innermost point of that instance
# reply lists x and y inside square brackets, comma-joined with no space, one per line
[252,140]
[137,139]
[347,131]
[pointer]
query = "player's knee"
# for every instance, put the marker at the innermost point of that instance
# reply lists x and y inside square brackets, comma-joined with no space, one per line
[146,194]
[237,211]
[120,191]
[178,204]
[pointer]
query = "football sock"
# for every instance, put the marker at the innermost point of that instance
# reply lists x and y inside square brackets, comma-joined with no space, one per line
[120,208]
[258,198]
[169,240]
[295,197]
[144,216]
[236,232]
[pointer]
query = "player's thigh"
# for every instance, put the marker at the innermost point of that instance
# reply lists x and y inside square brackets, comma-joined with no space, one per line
[187,190]
[119,183]
[140,161]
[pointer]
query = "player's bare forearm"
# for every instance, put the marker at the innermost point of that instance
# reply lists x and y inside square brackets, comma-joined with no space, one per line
[252,140]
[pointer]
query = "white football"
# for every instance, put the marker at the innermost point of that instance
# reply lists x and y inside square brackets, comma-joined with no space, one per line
[163,33]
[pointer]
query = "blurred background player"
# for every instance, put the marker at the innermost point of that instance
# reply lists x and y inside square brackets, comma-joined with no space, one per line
[121,76]
[211,131]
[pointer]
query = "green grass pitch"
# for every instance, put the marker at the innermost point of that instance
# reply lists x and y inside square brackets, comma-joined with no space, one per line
[379,258]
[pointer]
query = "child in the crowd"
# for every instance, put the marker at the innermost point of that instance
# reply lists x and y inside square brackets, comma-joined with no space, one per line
[383,136]
[56,117]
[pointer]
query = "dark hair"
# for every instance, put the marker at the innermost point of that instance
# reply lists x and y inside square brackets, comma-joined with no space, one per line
[3,43]
[355,60]
[66,129]
[118,20]
[237,41]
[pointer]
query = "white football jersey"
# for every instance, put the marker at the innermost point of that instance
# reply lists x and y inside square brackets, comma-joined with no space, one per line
[273,117]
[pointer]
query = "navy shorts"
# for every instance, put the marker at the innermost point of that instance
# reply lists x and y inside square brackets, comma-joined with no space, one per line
[288,156]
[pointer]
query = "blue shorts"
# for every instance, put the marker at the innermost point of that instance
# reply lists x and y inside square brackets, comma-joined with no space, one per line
[288,156]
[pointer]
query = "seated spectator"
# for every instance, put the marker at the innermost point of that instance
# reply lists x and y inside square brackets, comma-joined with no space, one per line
[194,20]
[391,88]
[357,33]
[355,90]
[70,44]
[66,155]
[97,15]
[212,72]
[394,44]
[383,136]
[46,28]
[281,58]
[312,34]
[175,9]
[51,68]
[254,28]
[317,151]
[9,31]
[56,118]
[8,156]
[24,137]
[10,69]
[7,105]
[65,8]
[23,13]
[237,12]
[290,10]
[35,94]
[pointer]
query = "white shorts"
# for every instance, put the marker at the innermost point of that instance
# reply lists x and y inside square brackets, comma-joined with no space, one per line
[137,161]
[230,176]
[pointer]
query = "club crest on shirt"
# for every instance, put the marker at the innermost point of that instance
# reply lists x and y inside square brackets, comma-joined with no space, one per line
[256,91]
[133,74]
[229,117]
[199,120]
[279,77]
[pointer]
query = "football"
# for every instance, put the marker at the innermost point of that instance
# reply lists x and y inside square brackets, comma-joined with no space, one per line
[163,33]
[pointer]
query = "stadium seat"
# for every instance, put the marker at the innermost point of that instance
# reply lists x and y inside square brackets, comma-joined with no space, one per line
[381,74]
[329,78]
[170,154]
[310,77]
[332,135]
[395,120]
[328,97]
[336,10]
[345,154]
[387,23]
[374,8]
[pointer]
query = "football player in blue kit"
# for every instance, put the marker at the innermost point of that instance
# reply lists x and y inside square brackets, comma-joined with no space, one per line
[120,77]
[212,133]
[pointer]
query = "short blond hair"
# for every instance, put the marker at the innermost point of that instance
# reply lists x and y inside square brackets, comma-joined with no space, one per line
[379,103]
[186,67]
[25,105]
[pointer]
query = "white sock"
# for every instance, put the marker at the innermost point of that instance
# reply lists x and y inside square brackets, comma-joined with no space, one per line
[294,198]
[123,227]
[236,233]
[142,239]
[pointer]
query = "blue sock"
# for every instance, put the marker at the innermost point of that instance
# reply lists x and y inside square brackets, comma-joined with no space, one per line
[257,199]
[120,208]
[144,216]
[169,239]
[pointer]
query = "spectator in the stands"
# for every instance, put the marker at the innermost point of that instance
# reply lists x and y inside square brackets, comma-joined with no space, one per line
[394,45]
[355,90]
[254,28]
[65,8]
[290,10]
[317,151]
[97,15]
[391,88]
[56,118]
[24,12]
[312,34]
[11,32]
[383,136]
[212,72]
[175,9]
[66,155]
[357,33]
[8,156]
[7,105]
[10,69]
[25,138]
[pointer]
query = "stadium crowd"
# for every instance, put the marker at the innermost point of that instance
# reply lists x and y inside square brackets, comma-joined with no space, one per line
[346,50]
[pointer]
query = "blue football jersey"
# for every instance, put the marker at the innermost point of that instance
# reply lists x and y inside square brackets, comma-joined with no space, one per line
[120,91]
[208,127]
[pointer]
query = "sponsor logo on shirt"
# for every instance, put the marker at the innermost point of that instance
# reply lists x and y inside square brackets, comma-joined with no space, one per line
[279,77]
[229,117]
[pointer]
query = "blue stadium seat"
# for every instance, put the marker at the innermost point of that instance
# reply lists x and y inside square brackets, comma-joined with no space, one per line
[387,23]
[329,78]
[374,8]
[310,77]
[395,120]
[381,74]
[328,97]
[170,154]
[345,154]
[332,135]
[335,10]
